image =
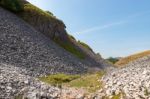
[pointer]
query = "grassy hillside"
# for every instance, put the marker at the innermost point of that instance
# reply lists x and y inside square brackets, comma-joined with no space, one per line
[128,59]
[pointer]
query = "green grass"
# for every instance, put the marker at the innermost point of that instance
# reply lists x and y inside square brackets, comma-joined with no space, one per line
[33,10]
[117,96]
[58,79]
[19,97]
[71,48]
[30,11]
[12,5]
[89,82]
[146,92]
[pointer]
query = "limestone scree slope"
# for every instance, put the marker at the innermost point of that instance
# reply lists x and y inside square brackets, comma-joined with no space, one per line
[23,46]
[26,53]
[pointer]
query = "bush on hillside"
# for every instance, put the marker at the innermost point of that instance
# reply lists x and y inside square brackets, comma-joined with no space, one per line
[112,60]
[12,5]
[85,45]
[70,36]
[49,12]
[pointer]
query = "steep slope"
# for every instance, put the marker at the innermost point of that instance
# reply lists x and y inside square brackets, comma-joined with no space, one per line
[131,58]
[26,53]
[22,45]
[46,23]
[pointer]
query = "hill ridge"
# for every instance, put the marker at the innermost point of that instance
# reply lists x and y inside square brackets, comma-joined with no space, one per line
[131,58]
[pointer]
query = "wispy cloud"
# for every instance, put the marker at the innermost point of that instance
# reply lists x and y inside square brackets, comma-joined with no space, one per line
[109,25]
[101,27]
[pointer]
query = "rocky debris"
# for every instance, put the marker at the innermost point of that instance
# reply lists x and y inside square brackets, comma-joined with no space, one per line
[23,46]
[55,29]
[133,81]
[26,54]
[15,83]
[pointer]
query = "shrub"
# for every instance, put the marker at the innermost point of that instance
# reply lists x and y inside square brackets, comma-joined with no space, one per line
[12,5]
[112,60]
[49,12]
[71,37]
[85,45]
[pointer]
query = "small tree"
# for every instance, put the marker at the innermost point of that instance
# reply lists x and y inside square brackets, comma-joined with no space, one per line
[12,5]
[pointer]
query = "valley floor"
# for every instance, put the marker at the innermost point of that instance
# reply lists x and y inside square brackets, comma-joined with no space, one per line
[25,56]
[131,82]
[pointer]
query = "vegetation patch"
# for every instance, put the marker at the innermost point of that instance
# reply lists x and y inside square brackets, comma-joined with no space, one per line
[19,97]
[71,37]
[71,48]
[112,60]
[12,5]
[118,96]
[89,82]
[146,92]
[131,58]
[31,11]
[85,45]
[58,79]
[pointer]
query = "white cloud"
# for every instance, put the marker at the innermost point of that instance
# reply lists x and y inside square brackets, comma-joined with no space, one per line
[112,24]
[101,27]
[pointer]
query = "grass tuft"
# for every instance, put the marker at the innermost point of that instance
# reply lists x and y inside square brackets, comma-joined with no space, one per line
[58,79]
[118,96]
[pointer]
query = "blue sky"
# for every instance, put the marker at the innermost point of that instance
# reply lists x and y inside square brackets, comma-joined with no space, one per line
[111,27]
